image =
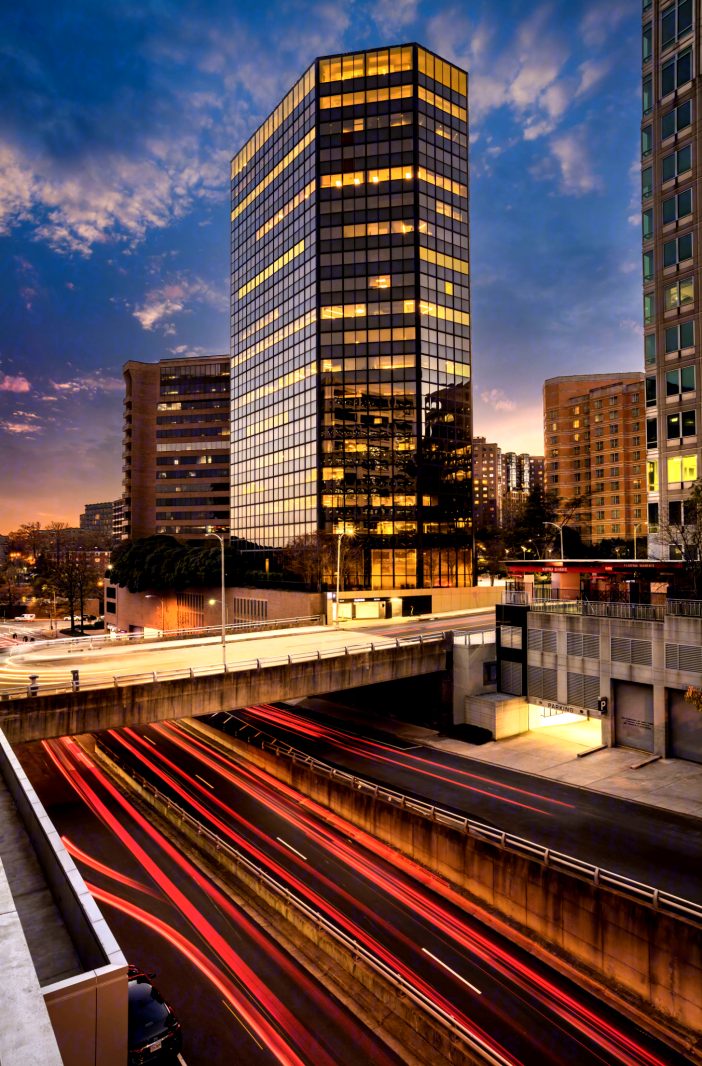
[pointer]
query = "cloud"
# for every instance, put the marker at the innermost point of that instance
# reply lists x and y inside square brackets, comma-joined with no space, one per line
[601,20]
[570,151]
[17,427]
[93,384]
[391,15]
[172,298]
[632,325]
[498,399]
[14,384]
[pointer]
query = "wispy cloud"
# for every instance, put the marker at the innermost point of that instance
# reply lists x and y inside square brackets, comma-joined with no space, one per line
[498,399]
[19,383]
[18,427]
[572,156]
[173,297]
[91,383]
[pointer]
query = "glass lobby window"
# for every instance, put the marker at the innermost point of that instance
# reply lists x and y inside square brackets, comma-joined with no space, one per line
[647,225]
[677,207]
[676,22]
[676,73]
[679,294]
[646,183]
[678,337]
[676,120]
[677,251]
[677,163]
[646,141]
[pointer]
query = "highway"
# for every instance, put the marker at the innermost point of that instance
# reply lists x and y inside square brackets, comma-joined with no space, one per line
[651,845]
[405,915]
[239,996]
[53,665]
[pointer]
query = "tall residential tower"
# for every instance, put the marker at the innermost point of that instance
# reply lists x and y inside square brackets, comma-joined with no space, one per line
[671,258]
[351,393]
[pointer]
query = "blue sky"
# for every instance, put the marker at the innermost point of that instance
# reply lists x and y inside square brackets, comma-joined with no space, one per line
[117,123]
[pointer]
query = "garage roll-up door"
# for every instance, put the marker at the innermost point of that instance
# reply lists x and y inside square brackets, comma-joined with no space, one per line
[685,725]
[633,715]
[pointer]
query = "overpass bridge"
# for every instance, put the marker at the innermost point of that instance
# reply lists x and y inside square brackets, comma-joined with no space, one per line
[48,692]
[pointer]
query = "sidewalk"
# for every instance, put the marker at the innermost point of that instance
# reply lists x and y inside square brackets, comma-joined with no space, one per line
[551,752]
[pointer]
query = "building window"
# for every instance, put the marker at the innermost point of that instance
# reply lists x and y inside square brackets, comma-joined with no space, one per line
[677,72]
[682,380]
[689,424]
[647,94]
[682,469]
[677,207]
[647,42]
[677,251]
[650,392]
[676,120]
[653,517]
[675,512]
[646,141]
[616,528]
[651,433]
[676,163]
[637,512]
[676,22]
[652,471]
[647,225]
[679,294]
[648,266]
[679,337]
[673,423]
[649,308]
[647,5]
[650,349]
[646,183]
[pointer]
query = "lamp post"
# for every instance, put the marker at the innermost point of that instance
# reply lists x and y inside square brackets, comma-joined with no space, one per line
[524,550]
[560,530]
[343,533]
[149,596]
[224,608]
[535,548]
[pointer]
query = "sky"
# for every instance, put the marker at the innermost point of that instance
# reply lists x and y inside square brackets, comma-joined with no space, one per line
[117,124]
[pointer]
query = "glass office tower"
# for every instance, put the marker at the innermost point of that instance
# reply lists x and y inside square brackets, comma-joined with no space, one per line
[351,390]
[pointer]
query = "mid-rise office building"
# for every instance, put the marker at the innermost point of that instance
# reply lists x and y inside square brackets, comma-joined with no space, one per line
[671,258]
[521,472]
[351,394]
[97,517]
[487,483]
[176,447]
[117,518]
[594,447]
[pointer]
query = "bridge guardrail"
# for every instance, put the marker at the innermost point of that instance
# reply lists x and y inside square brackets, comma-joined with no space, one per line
[665,902]
[475,1042]
[118,681]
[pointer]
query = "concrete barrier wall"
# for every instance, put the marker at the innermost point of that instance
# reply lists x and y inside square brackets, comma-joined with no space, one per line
[93,710]
[652,962]
[88,1012]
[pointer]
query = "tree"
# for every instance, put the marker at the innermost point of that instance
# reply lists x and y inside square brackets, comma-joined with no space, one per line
[65,574]
[86,580]
[313,557]
[492,553]
[686,536]
[10,583]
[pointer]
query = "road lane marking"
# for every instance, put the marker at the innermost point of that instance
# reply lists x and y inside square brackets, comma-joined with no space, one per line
[205,782]
[144,737]
[181,1060]
[286,845]
[452,971]
[241,1023]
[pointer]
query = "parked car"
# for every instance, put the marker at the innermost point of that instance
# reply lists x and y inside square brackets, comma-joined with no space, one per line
[154,1030]
[25,617]
[76,618]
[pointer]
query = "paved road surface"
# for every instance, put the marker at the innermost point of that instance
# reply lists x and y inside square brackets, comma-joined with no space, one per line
[290,1007]
[654,846]
[386,902]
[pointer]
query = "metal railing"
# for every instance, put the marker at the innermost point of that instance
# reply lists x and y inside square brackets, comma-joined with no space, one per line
[92,641]
[684,608]
[664,902]
[101,681]
[640,612]
[487,636]
[405,987]
[519,599]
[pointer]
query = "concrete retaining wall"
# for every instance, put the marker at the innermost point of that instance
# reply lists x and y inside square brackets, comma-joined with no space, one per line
[652,962]
[93,710]
[88,1012]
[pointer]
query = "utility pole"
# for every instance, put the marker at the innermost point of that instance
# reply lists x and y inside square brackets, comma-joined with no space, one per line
[224,608]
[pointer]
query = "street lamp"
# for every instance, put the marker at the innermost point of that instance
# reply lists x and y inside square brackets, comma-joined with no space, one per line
[224,608]
[560,530]
[343,533]
[535,549]
[150,597]
[524,550]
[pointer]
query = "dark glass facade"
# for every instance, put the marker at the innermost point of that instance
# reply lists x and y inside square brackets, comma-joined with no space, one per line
[351,391]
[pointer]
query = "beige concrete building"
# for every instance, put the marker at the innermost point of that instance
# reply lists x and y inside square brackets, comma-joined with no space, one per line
[594,447]
[176,447]
[669,180]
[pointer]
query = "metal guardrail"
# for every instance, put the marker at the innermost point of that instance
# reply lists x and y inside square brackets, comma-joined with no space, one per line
[358,951]
[486,636]
[79,684]
[684,608]
[640,612]
[91,641]
[664,902]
